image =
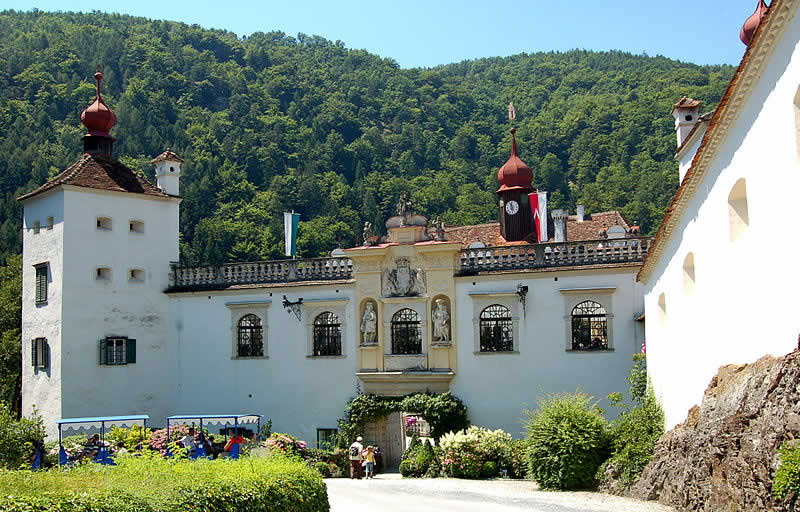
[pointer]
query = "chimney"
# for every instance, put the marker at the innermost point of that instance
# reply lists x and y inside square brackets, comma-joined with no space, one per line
[560,225]
[581,211]
[686,113]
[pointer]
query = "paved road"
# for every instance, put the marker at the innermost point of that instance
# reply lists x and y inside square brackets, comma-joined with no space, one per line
[390,493]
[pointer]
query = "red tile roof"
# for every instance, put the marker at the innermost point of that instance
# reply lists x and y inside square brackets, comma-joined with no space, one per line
[687,102]
[167,155]
[489,234]
[100,172]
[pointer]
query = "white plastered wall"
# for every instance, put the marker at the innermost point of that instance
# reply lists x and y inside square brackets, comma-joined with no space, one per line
[498,387]
[298,393]
[744,301]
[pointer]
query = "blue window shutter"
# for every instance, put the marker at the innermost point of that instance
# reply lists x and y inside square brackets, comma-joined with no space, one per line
[130,351]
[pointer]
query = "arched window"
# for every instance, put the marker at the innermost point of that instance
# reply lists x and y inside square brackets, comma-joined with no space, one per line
[662,309]
[738,216]
[406,332]
[327,335]
[589,326]
[688,273]
[251,337]
[497,333]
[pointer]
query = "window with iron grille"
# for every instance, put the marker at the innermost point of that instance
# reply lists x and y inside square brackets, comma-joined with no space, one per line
[40,353]
[406,332]
[589,326]
[116,351]
[251,337]
[41,283]
[327,335]
[497,332]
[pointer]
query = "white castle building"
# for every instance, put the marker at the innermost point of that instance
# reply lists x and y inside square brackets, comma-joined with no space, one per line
[722,271]
[112,325]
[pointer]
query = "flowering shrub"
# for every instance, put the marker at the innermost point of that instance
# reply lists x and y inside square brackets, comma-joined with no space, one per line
[466,453]
[461,463]
[159,441]
[134,438]
[286,444]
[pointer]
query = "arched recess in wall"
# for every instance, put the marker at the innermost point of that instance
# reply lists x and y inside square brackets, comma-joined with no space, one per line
[662,309]
[738,215]
[688,273]
[797,120]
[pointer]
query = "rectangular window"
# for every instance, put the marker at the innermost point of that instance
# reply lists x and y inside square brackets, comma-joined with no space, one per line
[49,223]
[40,353]
[41,283]
[326,438]
[117,351]
[36,227]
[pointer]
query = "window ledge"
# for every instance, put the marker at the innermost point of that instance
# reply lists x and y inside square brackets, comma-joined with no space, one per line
[40,303]
[589,351]
[441,345]
[497,353]
[250,357]
[368,345]
[327,357]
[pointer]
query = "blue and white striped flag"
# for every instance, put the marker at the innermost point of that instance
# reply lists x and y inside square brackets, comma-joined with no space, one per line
[290,223]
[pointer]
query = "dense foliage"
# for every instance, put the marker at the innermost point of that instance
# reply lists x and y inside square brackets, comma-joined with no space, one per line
[153,484]
[19,438]
[272,122]
[481,453]
[10,330]
[443,412]
[634,433]
[568,439]
[787,477]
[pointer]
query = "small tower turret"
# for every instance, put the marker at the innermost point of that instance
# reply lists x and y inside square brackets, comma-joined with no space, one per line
[515,177]
[168,172]
[686,113]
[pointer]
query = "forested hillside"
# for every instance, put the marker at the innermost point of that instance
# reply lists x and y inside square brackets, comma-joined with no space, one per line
[270,123]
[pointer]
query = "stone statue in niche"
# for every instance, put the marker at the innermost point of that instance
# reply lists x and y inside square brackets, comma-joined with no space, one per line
[369,325]
[403,281]
[441,322]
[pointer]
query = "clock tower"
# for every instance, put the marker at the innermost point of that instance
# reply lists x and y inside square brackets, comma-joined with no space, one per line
[515,177]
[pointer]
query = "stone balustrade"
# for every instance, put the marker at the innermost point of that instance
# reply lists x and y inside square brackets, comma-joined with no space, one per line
[259,272]
[556,254]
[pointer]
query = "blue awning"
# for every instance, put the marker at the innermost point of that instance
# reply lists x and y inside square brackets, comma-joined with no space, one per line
[252,417]
[104,419]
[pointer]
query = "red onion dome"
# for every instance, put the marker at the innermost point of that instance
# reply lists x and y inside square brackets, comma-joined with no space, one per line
[752,23]
[514,174]
[98,118]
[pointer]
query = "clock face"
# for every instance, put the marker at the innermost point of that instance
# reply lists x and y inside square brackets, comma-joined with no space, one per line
[512,207]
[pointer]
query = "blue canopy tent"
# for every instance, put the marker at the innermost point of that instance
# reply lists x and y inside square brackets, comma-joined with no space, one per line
[216,418]
[103,457]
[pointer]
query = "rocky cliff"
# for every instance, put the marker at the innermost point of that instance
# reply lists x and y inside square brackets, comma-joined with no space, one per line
[723,457]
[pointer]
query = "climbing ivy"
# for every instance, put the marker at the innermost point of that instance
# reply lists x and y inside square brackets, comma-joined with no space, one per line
[443,412]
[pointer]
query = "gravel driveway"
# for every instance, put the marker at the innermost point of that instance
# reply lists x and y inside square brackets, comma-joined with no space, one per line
[391,493]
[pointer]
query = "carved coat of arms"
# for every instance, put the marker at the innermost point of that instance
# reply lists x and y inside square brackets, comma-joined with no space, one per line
[403,281]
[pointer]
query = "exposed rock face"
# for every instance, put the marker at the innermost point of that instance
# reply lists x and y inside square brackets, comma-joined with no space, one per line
[723,457]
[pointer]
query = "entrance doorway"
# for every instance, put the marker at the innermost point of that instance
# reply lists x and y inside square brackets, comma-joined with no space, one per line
[387,434]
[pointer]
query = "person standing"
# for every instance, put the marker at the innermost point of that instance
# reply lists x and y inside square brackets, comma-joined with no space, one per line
[369,458]
[355,457]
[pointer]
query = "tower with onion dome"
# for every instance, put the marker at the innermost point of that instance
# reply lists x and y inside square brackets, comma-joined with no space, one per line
[97,245]
[515,180]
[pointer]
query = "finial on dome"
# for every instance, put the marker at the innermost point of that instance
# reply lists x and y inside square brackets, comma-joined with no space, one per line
[751,24]
[513,141]
[98,118]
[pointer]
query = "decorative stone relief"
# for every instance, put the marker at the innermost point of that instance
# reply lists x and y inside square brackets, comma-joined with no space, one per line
[403,281]
[369,324]
[441,322]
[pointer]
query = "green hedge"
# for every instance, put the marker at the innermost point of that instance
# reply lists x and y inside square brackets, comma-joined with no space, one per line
[246,485]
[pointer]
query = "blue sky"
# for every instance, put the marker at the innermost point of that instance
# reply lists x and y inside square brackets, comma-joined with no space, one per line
[427,33]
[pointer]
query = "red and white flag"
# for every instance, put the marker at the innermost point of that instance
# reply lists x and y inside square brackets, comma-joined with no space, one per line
[538,202]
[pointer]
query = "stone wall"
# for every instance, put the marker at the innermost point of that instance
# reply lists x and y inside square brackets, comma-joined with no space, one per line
[723,456]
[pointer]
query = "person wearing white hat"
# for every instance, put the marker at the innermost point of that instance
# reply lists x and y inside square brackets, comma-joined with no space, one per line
[355,455]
